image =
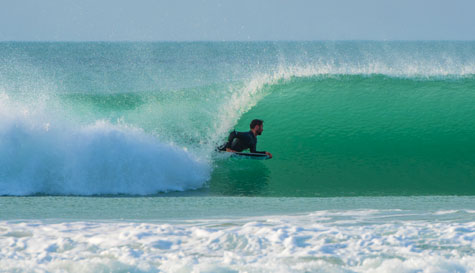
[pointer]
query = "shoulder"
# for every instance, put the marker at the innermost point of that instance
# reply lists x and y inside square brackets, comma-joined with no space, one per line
[243,134]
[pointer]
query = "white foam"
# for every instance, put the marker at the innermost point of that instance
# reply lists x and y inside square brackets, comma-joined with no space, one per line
[443,212]
[41,153]
[404,69]
[262,244]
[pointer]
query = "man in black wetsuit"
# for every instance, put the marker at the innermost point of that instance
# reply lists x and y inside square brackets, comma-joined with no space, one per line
[239,141]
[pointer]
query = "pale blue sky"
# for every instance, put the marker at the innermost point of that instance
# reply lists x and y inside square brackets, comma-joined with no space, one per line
[179,20]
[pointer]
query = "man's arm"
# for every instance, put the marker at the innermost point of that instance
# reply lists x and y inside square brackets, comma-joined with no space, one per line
[253,149]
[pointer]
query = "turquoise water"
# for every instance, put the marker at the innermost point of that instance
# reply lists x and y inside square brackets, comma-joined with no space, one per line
[364,135]
[179,208]
[108,161]
[341,118]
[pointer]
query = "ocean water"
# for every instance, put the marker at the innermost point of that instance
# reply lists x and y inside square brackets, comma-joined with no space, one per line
[108,161]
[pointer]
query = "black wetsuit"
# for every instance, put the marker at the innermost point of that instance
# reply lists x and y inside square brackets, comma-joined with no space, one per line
[239,141]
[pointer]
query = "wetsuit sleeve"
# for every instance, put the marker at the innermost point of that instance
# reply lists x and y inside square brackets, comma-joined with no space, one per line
[253,149]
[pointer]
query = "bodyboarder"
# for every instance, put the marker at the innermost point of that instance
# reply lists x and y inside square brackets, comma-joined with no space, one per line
[239,141]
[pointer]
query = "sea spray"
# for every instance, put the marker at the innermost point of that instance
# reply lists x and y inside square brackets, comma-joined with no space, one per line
[50,156]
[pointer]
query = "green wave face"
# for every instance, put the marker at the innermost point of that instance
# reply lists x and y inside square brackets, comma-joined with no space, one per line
[359,135]
[341,118]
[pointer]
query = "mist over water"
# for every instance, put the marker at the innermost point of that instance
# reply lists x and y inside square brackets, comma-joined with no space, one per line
[341,118]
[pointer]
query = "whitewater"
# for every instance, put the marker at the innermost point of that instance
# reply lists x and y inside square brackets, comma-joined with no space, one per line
[108,161]
[405,234]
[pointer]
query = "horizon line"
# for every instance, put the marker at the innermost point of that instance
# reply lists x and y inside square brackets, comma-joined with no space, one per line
[225,41]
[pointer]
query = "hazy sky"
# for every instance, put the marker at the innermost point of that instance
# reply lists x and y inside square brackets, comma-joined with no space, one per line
[155,20]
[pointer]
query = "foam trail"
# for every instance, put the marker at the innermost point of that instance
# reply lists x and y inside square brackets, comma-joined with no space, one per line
[44,155]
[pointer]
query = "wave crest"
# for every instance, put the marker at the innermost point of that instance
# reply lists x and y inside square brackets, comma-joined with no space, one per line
[48,156]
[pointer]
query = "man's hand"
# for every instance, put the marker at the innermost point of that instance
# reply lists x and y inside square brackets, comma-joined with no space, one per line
[231,151]
[269,154]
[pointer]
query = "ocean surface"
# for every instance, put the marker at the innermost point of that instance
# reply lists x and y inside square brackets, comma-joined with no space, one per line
[108,161]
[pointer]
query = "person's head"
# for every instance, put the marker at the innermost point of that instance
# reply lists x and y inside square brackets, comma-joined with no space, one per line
[257,125]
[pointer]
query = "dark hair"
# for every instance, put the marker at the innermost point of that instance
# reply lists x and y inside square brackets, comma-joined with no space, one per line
[256,122]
